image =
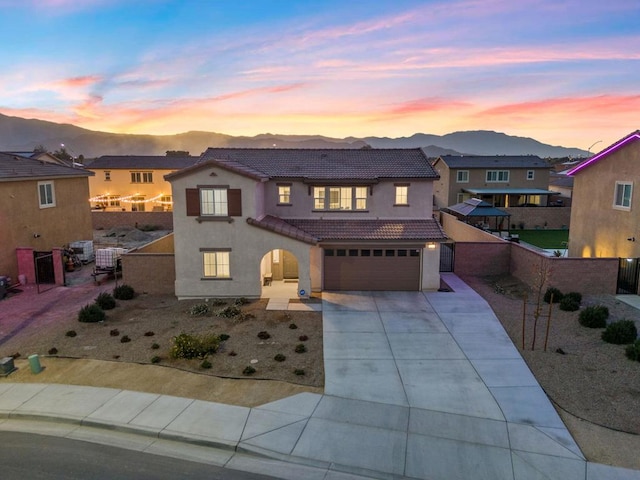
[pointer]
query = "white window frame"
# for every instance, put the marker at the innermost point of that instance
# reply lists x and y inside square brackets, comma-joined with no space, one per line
[497,176]
[284,194]
[462,176]
[531,174]
[402,195]
[216,264]
[138,203]
[141,177]
[107,176]
[214,202]
[620,200]
[340,199]
[46,194]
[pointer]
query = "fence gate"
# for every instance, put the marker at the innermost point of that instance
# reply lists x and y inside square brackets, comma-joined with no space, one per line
[628,273]
[447,256]
[44,268]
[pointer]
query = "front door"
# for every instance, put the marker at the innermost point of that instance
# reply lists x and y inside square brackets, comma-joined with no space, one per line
[289,265]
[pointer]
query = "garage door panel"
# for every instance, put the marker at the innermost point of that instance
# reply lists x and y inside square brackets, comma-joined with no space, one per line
[372,272]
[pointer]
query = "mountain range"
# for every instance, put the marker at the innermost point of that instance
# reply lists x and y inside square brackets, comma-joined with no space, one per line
[21,135]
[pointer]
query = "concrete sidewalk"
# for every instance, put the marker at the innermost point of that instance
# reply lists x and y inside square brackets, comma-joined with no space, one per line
[425,386]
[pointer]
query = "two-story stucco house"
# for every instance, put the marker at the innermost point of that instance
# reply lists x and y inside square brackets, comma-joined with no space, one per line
[328,219]
[605,214]
[133,183]
[501,181]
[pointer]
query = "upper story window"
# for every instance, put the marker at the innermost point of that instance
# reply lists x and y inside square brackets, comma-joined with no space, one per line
[213,201]
[107,176]
[623,193]
[498,176]
[340,198]
[531,174]
[462,176]
[46,195]
[284,194]
[141,177]
[402,195]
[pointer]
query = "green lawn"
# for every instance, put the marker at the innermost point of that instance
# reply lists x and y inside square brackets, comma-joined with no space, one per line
[544,238]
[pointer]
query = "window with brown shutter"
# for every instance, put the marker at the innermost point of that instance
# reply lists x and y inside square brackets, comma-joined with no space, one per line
[193,202]
[234,197]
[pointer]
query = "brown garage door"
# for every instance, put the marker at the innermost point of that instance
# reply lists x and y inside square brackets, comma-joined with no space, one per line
[372,268]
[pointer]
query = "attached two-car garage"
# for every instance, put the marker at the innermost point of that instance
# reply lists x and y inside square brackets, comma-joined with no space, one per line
[372,268]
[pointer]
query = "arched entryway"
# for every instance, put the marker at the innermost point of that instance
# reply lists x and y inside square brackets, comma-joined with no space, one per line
[279,274]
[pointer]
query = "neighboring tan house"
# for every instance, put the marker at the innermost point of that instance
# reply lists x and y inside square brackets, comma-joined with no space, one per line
[45,157]
[132,183]
[501,181]
[327,219]
[44,206]
[605,214]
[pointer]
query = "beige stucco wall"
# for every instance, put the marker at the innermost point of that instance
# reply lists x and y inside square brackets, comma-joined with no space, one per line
[248,244]
[149,272]
[459,231]
[120,184]
[21,218]
[380,202]
[431,268]
[598,229]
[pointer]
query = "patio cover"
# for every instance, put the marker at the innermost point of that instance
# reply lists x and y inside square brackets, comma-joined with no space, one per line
[509,191]
[474,207]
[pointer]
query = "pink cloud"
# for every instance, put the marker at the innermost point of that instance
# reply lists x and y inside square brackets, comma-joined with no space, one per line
[78,82]
[426,105]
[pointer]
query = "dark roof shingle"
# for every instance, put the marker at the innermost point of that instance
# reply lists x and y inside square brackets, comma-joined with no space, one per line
[14,167]
[160,162]
[494,161]
[327,164]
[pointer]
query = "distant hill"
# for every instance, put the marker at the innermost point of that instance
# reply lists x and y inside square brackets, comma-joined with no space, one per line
[19,134]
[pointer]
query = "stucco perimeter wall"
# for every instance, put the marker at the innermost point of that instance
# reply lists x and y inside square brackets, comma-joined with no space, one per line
[152,273]
[584,275]
[108,220]
[533,217]
[463,232]
[482,259]
[161,245]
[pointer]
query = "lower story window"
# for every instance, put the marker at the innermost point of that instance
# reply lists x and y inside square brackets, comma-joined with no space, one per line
[216,264]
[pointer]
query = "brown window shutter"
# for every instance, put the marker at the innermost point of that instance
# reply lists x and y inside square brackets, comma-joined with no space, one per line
[193,202]
[234,199]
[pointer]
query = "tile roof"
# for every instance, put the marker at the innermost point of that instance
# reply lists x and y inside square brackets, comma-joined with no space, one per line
[324,230]
[277,225]
[161,162]
[327,164]
[13,168]
[493,161]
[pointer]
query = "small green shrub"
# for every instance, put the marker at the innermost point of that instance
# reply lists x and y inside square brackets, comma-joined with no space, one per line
[633,351]
[125,339]
[238,302]
[620,332]
[206,364]
[569,304]
[299,372]
[91,314]
[293,326]
[53,351]
[594,316]
[106,301]
[123,292]
[155,346]
[301,348]
[263,335]
[155,359]
[557,295]
[224,337]
[199,310]
[71,333]
[577,296]
[279,357]
[189,346]
[249,370]
[229,312]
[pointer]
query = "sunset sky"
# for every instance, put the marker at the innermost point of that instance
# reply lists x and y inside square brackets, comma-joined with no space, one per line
[563,72]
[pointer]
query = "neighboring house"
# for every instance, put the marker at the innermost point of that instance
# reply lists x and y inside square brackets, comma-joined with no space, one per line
[562,184]
[329,219]
[44,206]
[501,181]
[133,183]
[605,215]
[45,157]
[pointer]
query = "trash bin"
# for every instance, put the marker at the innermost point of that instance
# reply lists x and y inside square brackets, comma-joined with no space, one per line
[34,363]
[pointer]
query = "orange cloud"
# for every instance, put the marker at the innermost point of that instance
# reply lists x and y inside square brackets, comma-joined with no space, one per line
[426,105]
[77,82]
